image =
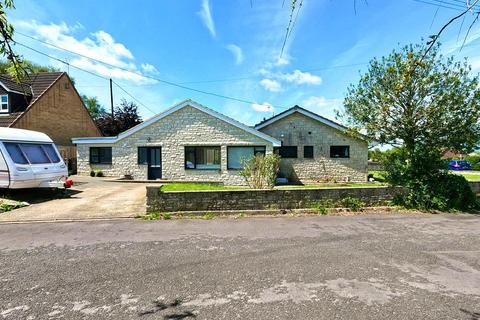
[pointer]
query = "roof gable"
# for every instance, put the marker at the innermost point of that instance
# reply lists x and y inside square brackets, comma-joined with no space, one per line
[303,111]
[181,105]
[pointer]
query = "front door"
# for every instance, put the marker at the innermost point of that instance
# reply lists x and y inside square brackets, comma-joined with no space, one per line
[154,163]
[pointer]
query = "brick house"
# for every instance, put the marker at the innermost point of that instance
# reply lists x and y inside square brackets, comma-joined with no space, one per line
[190,142]
[316,149]
[47,102]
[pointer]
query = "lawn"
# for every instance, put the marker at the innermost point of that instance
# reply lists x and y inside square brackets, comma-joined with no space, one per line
[469,175]
[180,186]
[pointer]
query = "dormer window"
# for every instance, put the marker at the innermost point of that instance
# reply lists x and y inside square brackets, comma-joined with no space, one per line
[4,103]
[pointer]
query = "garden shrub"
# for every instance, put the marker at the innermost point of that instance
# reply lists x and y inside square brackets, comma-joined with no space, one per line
[92,173]
[99,173]
[260,172]
[354,204]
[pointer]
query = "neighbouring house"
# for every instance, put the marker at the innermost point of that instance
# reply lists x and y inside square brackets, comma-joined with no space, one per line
[190,142]
[316,149]
[187,142]
[47,102]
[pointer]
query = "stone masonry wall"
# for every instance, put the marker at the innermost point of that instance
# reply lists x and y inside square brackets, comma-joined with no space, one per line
[300,130]
[185,127]
[258,199]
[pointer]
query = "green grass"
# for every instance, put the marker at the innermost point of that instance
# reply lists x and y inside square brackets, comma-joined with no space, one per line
[180,186]
[469,175]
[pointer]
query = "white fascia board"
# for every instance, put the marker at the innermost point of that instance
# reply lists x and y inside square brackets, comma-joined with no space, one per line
[304,112]
[188,102]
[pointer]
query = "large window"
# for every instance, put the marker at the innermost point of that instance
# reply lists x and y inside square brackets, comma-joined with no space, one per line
[236,155]
[339,151]
[206,158]
[33,153]
[4,103]
[308,152]
[101,155]
[287,151]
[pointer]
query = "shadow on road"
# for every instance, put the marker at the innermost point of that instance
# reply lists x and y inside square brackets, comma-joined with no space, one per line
[37,195]
[473,315]
[159,306]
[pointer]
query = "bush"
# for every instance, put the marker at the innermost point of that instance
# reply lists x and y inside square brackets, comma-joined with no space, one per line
[99,173]
[92,173]
[260,172]
[474,160]
[352,203]
[445,192]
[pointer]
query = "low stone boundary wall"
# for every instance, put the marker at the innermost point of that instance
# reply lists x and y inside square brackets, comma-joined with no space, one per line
[259,199]
[475,186]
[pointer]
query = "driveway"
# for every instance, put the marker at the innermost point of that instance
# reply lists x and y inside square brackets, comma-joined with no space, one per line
[89,198]
[318,267]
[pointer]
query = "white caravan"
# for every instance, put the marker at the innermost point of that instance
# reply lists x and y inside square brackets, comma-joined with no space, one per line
[30,159]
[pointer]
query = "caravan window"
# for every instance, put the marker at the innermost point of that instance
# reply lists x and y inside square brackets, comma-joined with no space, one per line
[15,153]
[34,153]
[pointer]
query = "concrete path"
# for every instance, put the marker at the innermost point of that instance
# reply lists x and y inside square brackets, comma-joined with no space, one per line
[89,198]
[318,267]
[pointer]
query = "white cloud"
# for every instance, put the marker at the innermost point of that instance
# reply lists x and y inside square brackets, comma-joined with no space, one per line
[99,45]
[300,77]
[314,102]
[148,68]
[264,107]
[237,53]
[271,85]
[206,15]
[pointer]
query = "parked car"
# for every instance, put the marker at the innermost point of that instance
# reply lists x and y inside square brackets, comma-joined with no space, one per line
[458,165]
[30,159]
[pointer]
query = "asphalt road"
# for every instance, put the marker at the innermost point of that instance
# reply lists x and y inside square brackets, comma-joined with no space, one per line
[363,267]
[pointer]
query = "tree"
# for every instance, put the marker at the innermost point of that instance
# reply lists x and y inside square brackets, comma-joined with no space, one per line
[6,67]
[93,106]
[423,103]
[125,117]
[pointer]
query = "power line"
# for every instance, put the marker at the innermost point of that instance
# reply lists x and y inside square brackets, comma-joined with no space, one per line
[131,96]
[218,95]
[448,4]
[178,83]
[89,72]
[167,82]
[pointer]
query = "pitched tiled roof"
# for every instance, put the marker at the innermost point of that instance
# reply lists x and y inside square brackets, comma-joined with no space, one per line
[11,85]
[7,119]
[35,86]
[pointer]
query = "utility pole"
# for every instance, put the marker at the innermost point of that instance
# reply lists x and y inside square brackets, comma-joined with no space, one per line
[111,96]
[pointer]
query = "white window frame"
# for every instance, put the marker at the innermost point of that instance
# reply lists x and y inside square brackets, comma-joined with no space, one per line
[2,110]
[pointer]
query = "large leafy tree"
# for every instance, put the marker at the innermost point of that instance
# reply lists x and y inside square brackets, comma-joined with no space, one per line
[95,109]
[422,102]
[125,117]
[425,104]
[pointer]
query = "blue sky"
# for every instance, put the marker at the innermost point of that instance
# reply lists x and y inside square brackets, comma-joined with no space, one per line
[230,48]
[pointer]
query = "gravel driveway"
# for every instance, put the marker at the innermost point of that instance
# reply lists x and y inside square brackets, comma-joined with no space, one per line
[89,198]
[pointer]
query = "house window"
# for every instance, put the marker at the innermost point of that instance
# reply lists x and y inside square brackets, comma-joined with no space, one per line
[101,155]
[308,152]
[142,155]
[4,103]
[287,151]
[236,155]
[339,151]
[206,158]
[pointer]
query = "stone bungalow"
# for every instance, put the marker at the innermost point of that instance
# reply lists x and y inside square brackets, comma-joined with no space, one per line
[190,142]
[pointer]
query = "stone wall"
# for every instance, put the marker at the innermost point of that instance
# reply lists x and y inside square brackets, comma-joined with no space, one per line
[258,199]
[300,130]
[185,127]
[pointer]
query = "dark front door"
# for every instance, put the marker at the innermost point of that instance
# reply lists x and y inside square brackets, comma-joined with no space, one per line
[154,163]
